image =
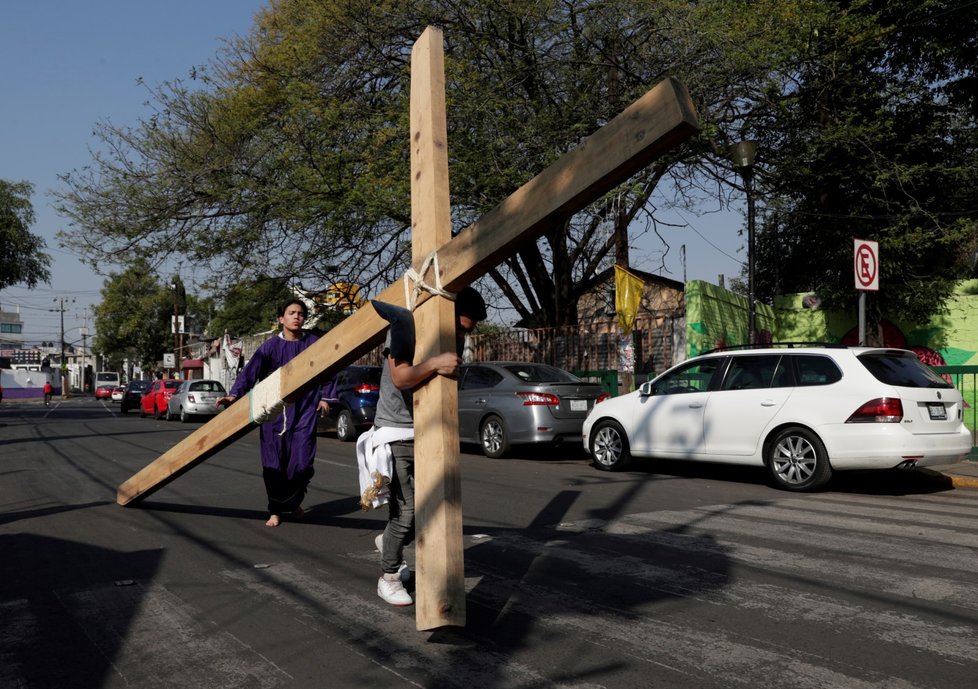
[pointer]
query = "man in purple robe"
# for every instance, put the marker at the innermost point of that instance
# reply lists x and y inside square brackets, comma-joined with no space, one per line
[288,442]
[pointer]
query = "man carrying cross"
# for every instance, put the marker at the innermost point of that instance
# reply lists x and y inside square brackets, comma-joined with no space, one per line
[393,432]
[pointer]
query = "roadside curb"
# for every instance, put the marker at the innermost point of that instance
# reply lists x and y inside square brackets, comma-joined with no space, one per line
[962,481]
[953,480]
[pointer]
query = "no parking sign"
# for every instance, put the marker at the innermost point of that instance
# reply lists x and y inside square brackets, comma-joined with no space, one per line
[867,265]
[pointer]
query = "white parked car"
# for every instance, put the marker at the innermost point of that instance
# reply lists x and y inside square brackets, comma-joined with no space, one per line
[802,412]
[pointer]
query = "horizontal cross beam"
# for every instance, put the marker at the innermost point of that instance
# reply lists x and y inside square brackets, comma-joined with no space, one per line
[655,123]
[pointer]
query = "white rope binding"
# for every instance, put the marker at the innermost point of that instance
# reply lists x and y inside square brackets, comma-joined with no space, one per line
[264,403]
[414,282]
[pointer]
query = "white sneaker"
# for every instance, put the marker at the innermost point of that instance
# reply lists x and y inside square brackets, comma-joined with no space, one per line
[403,570]
[393,591]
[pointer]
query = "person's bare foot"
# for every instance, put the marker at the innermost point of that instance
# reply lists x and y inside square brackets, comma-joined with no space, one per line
[273,521]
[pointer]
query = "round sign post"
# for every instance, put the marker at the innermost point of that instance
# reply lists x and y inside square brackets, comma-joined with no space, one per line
[866,265]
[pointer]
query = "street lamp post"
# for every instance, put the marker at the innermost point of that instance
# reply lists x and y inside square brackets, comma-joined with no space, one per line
[743,155]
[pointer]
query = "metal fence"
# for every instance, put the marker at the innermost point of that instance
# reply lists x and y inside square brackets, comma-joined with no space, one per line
[586,347]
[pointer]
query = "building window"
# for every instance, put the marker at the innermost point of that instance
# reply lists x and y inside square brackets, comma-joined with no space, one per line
[16,328]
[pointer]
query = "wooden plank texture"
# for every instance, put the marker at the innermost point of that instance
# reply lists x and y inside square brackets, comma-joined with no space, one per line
[440,589]
[658,121]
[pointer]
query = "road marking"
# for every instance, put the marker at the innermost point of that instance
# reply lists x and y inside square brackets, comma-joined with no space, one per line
[720,595]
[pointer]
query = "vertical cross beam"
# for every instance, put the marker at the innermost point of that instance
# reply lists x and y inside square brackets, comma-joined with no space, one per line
[440,593]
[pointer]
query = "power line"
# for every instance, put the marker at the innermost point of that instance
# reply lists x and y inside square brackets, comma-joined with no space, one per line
[703,237]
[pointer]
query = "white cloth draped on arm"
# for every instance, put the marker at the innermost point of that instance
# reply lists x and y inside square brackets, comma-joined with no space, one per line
[375,463]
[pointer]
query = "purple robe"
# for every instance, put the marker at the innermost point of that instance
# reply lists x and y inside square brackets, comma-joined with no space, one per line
[291,454]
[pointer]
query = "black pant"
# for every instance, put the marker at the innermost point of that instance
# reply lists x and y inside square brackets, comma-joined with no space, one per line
[284,494]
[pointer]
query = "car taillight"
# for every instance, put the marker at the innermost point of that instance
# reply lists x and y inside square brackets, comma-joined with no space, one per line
[533,398]
[880,410]
[365,388]
[190,397]
[602,397]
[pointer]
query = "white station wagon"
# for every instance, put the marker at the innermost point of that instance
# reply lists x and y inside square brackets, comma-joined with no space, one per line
[802,412]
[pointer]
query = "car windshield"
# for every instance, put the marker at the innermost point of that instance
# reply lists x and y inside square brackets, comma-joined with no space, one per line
[206,386]
[902,369]
[540,373]
[172,384]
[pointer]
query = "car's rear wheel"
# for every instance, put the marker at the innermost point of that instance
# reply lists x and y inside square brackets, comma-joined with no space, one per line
[156,412]
[609,446]
[346,430]
[493,437]
[797,460]
[184,416]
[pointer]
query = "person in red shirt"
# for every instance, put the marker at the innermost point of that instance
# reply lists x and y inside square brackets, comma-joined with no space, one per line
[48,391]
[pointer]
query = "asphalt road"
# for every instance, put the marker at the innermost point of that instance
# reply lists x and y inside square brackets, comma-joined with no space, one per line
[666,576]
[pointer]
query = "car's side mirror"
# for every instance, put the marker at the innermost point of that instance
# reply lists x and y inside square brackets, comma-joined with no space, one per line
[646,389]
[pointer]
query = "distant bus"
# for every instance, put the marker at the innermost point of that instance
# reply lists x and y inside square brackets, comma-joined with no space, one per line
[104,382]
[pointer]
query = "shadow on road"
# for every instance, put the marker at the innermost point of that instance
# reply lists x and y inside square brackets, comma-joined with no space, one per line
[323,514]
[597,574]
[66,609]
[10,517]
[878,482]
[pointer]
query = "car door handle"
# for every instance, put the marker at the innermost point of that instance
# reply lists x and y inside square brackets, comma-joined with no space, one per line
[695,405]
[481,401]
[768,403]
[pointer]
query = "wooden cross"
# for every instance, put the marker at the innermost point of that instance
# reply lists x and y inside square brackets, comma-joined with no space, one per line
[440,600]
[658,121]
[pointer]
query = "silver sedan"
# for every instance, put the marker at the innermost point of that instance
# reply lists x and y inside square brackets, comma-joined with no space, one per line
[505,403]
[195,398]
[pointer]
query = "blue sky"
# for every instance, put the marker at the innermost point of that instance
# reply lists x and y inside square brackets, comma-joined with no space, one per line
[66,66]
[69,65]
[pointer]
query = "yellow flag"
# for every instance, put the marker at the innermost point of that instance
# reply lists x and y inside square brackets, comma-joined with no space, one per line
[628,296]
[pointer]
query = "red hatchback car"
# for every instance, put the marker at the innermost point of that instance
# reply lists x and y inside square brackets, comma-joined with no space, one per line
[155,399]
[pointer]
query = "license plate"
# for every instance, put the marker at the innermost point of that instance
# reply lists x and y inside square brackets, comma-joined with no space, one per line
[937,411]
[578,405]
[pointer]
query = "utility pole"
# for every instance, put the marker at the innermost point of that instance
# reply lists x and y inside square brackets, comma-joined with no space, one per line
[176,329]
[84,334]
[62,365]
